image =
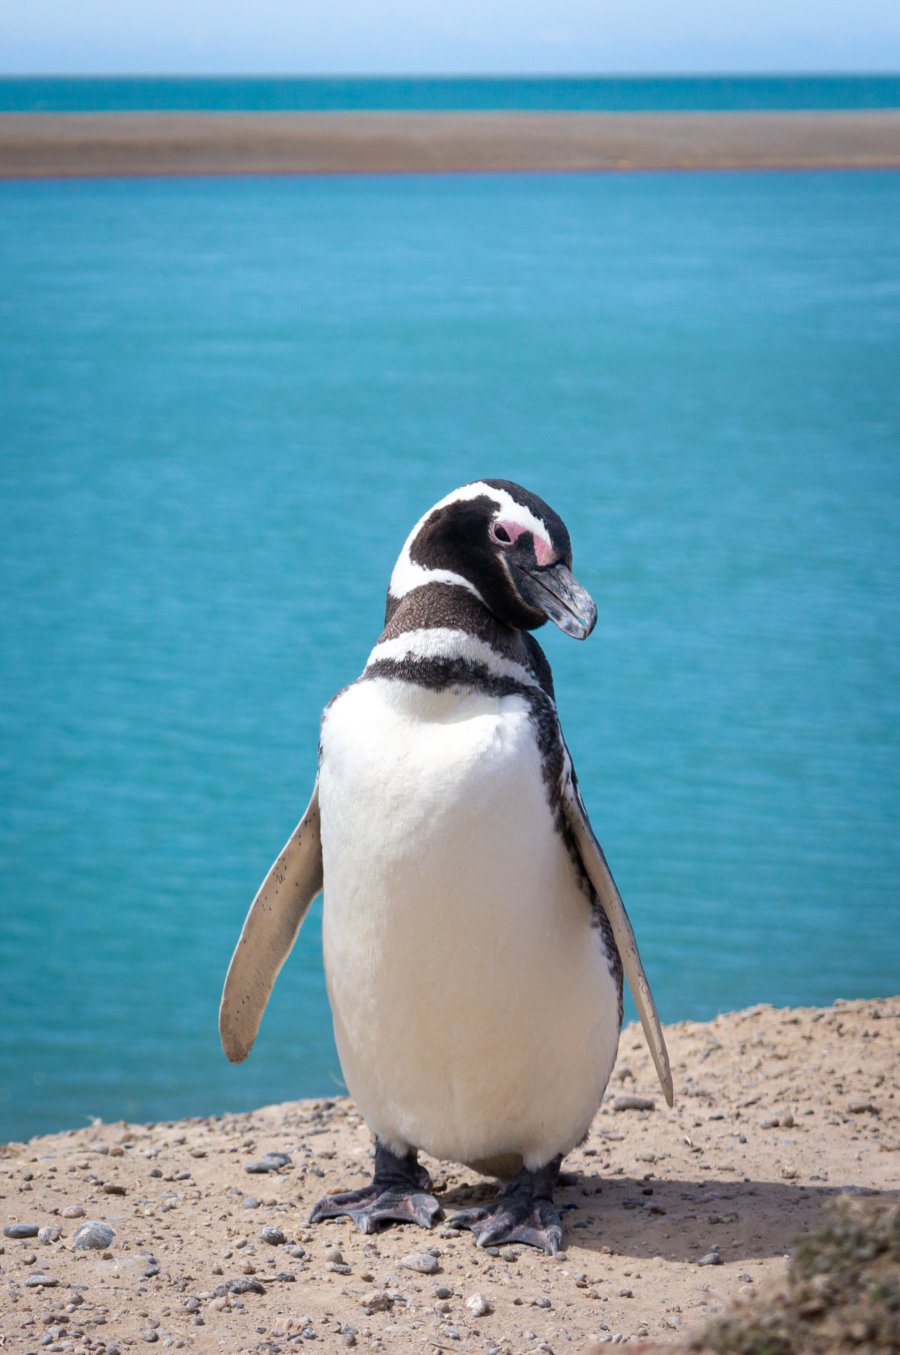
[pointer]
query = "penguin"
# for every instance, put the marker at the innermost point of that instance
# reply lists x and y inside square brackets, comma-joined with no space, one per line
[474,939]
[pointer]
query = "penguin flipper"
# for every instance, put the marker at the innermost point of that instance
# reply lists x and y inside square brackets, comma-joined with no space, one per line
[600,876]
[269,932]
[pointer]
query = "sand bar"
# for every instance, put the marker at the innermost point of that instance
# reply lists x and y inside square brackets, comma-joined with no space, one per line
[776,1113]
[113,144]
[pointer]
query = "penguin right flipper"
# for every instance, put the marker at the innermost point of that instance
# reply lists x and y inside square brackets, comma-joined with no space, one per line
[598,872]
[269,932]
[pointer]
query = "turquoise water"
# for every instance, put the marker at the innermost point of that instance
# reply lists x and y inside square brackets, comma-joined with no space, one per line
[36,94]
[224,403]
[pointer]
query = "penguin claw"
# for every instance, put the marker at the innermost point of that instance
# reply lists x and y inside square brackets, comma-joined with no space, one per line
[533,1223]
[370,1208]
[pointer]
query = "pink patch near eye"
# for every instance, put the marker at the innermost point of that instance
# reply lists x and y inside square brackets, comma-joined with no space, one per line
[542,550]
[506,532]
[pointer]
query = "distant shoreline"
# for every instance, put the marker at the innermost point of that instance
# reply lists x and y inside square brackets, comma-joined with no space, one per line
[51,145]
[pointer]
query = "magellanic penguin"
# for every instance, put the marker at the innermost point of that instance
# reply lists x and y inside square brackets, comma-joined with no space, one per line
[474,939]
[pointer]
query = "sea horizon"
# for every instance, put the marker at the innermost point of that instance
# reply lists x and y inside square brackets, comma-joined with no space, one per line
[734,92]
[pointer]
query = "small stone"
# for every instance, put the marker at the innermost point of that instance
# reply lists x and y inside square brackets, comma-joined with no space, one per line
[113,1188]
[626,1294]
[859,1106]
[245,1284]
[271,1235]
[450,1332]
[423,1262]
[478,1305]
[269,1162]
[633,1103]
[288,1276]
[93,1236]
[73,1211]
[442,1292]
[510,1254]
[543,1302]
[379,1302]
[770,1122]
[250,1202]
[711,1258]
[40,1281]
[51,1232]
[19,1230]
[338,1267]
[335,1255]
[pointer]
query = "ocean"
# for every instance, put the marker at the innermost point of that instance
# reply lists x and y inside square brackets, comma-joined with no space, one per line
[224,403]
[628,94]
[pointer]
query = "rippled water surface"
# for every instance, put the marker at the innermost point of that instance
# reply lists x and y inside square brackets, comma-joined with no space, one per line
[225,402]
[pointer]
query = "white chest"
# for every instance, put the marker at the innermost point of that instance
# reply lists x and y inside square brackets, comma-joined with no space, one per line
[458,941]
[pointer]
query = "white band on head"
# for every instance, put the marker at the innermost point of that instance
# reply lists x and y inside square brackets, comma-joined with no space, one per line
[406,575]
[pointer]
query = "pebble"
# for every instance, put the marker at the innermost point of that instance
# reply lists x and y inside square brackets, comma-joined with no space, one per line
[245,1284]
[40,1281]
[73,1211]
[51,1232]
[633,1103]
[18,1230]
[712,1258]
[442,1292]
[272,1235]
[478,1305]
[543,1302]
[423,1262]
[269,1162]
[93,1236]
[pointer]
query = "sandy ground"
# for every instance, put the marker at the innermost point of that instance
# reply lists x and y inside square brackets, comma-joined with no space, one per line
[670,1215]
[57,144]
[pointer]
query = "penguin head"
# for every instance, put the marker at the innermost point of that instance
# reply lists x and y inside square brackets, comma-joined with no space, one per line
[505,545]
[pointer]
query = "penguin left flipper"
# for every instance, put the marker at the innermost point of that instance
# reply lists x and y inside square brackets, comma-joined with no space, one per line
[269,932]
[600,876]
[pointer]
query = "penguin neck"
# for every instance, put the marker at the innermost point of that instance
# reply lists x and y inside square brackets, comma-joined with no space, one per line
[449,607]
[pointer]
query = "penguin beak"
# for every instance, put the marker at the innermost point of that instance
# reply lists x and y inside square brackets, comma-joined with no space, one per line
[555,591]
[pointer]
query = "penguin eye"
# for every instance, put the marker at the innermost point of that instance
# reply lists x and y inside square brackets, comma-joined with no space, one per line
[500,534]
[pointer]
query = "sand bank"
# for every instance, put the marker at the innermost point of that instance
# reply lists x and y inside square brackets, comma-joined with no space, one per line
[670,1215]
[63,144]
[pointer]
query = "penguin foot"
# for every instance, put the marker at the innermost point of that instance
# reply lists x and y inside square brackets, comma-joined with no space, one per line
[399,1193]
[523,1212]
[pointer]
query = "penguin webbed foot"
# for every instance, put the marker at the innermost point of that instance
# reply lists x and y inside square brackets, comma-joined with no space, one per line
[523,1212]
[400,1193]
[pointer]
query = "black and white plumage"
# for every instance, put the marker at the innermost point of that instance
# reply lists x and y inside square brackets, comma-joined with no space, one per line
[474,940]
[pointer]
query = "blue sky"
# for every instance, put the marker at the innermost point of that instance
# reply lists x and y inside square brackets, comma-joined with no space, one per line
[446,36]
